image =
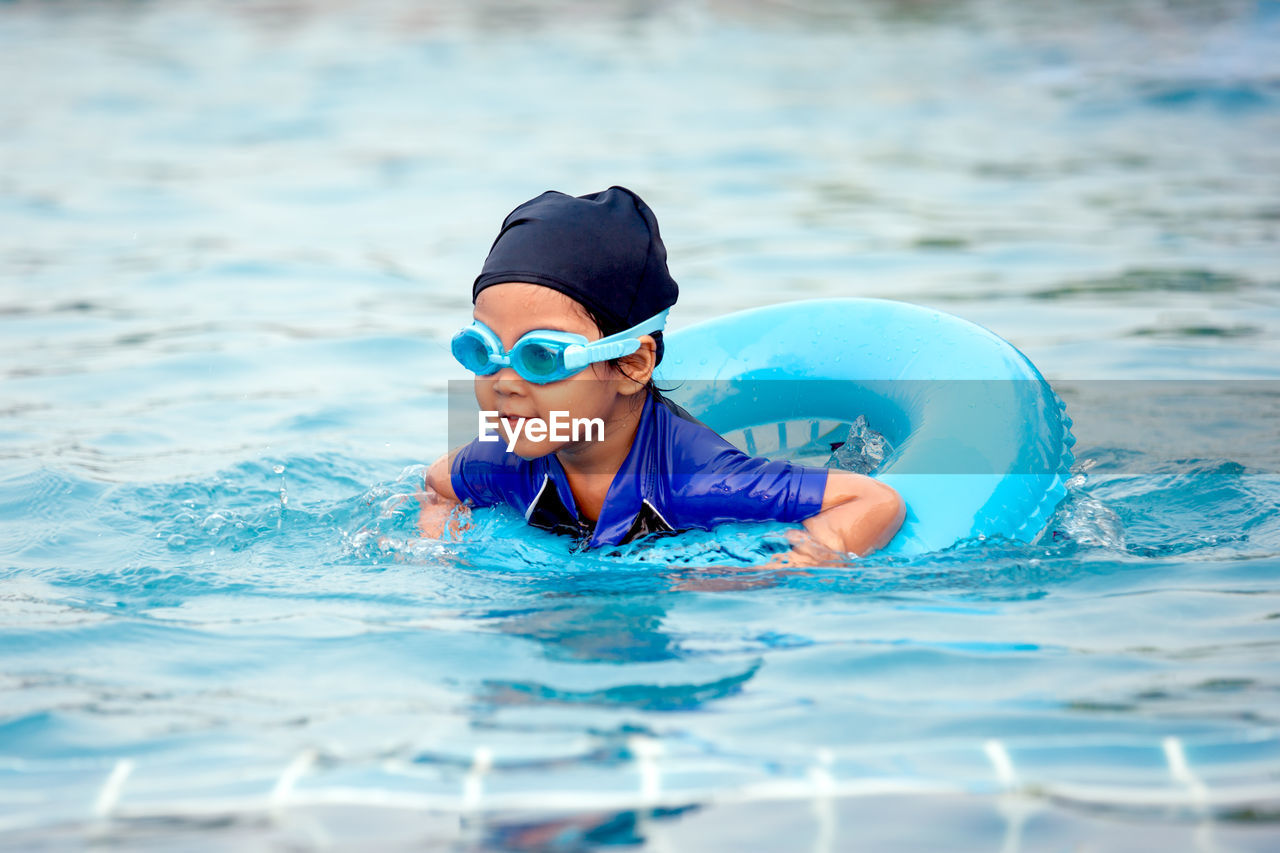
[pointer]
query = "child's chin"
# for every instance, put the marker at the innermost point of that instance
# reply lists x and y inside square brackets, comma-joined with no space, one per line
[528,450]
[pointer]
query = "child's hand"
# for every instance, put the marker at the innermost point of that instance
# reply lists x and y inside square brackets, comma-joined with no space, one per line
[807,551]
[439,514]
[441,511]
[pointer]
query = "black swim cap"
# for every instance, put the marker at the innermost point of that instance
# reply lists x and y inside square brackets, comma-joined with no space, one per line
[602,250]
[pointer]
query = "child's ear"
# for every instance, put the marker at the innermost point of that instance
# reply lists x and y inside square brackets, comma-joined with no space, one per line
[638,367]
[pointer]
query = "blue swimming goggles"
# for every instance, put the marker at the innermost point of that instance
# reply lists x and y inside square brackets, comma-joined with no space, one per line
[545,355]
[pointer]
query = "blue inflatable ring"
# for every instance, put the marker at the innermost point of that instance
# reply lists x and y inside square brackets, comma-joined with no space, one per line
[981,445]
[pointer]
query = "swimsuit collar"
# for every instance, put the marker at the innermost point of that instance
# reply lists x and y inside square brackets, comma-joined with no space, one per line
[631,506]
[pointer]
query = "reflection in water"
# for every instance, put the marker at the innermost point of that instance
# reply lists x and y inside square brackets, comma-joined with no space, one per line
[608,631]
[645,696]
[578,832]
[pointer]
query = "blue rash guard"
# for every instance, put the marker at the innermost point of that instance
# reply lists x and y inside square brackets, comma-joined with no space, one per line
[678,475]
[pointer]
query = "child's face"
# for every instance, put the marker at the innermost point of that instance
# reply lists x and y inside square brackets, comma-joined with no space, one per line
[511,310]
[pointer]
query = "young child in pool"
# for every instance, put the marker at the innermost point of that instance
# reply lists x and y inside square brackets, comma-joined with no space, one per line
[569,311]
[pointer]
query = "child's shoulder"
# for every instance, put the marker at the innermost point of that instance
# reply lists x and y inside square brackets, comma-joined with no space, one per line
[709,481]
[692,447]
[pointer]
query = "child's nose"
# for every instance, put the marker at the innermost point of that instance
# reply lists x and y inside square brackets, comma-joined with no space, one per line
[507,381]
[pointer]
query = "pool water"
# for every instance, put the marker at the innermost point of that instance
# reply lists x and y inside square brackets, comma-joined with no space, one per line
[235,240]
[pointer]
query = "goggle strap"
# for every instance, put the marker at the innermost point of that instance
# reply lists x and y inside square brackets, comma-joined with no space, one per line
[656,323]
[615,345]
[577,356]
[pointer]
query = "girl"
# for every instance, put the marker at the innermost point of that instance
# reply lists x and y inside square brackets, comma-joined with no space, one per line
[567,328]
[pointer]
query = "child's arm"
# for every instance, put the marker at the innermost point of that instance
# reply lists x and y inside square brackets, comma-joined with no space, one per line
[859,514]
[438,501]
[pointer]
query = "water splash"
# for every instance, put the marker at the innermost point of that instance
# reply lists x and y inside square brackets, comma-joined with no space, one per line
[1082,518]
[863,449]
[284,495]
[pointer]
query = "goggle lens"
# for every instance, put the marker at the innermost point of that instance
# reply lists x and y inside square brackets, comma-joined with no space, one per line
[538,361]
[472,352]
